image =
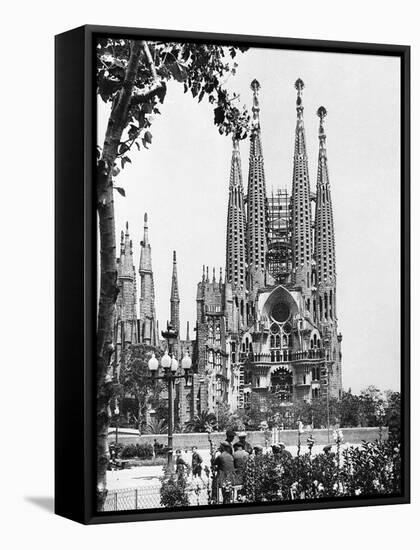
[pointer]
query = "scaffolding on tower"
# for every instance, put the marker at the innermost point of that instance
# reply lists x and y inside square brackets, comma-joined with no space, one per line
[279,254]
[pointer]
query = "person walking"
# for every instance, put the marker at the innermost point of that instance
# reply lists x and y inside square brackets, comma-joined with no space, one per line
[181,466]
[196,462]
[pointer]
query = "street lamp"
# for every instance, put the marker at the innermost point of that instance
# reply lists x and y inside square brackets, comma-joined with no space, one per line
[117,420]
[170,365]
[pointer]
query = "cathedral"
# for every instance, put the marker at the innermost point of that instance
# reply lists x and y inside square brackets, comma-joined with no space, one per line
[269,325]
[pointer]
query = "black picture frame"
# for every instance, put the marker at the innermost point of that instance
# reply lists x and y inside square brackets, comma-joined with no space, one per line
[75,271]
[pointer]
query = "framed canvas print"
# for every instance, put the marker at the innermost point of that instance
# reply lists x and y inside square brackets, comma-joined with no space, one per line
[232,274]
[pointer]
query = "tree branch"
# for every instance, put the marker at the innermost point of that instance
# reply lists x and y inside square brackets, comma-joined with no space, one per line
[145,96]
[158,84]
[149,59]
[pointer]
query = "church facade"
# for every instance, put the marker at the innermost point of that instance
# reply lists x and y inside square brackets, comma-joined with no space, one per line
[268,326]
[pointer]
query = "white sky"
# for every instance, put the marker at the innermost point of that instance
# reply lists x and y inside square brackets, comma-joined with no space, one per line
[182,183]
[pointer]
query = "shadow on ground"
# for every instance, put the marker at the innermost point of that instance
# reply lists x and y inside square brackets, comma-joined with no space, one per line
[46,503]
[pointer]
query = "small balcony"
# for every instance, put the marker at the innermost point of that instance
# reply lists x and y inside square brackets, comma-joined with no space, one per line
[309,355]
[282,356]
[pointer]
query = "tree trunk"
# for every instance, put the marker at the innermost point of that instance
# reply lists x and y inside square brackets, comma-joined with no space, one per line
[108,264]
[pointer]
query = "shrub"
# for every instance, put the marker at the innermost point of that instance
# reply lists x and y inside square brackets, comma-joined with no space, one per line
[129,451]
[372,469]
[142,451]
[173,492]
[145,450]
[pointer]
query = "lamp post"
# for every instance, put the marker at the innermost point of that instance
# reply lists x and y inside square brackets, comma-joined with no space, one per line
[170,367]
[328,369]
[117,420]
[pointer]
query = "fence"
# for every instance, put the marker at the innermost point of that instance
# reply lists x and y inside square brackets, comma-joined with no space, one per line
[146,498]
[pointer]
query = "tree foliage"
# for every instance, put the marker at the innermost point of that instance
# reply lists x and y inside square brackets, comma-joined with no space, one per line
[370,408]
[201,69]
[202,422]
[132,78]
[157,426]
[135,378]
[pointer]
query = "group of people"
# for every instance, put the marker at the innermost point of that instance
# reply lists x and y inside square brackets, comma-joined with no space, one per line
[231,459]
[228,462]
[183,466]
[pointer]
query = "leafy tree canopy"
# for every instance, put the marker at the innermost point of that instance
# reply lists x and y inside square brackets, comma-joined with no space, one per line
[201,69]
[135,377]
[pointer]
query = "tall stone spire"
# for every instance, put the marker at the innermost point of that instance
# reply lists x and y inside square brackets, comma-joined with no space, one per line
[235,234]
[147,314]
[257,200]
[324,228]
[174,296]
[301,208]
[324,255]
[126,311]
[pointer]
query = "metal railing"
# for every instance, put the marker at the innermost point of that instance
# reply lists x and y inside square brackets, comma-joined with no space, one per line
[282,356]
[146,498]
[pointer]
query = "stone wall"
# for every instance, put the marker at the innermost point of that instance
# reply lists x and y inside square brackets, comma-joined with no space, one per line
[200,440]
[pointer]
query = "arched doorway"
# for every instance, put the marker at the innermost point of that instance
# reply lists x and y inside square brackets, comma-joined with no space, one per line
[282,384]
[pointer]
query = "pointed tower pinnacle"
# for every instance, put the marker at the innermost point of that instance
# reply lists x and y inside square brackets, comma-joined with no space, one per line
[255,87]
[324,224]
[146,230]
[122,244]
[127,298]
[147,313]
[174,296]
[257,200]
[324,256]
[235,233]
[301,209]
[126,258]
